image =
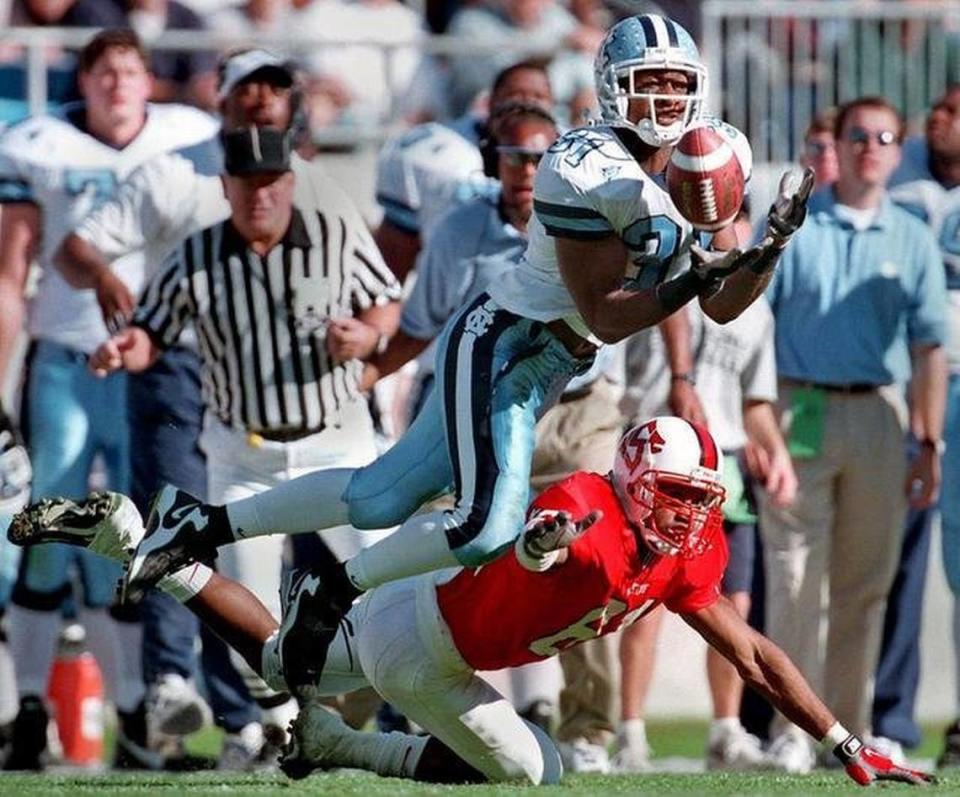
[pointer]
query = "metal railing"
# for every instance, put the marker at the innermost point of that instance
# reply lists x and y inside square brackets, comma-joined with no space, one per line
[775,64]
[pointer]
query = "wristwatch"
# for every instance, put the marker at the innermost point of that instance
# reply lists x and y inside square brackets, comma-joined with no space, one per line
[686,376]
[937,445]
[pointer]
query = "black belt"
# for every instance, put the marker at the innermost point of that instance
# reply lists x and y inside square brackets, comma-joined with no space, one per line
[852,389]
[578,346]
[287,435]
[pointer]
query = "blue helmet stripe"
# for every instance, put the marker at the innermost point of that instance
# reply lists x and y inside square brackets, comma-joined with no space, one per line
[649,32]
[672,32]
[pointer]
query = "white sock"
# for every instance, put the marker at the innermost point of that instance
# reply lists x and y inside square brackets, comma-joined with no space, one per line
[418,546]
[393,754]
[721,726]
[33,643]
[633,733]
[9,703]
[306,504]
[186,583]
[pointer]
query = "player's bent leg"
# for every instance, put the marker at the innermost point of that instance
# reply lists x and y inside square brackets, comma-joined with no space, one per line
[414,665]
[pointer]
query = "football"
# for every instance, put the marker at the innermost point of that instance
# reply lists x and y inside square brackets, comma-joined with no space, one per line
[705,179]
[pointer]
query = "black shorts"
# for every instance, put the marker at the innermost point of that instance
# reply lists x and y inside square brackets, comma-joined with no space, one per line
[742,542]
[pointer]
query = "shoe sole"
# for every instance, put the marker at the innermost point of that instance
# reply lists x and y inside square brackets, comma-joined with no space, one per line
[27,527]
[291,763]
[189,719]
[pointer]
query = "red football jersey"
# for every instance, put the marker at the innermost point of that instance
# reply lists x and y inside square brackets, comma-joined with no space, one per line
[503,615]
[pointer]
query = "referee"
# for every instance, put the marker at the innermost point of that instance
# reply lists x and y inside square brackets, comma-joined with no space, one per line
[286,300]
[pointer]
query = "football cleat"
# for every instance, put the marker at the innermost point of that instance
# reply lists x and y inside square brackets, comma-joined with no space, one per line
[174,538]
[310,622]
[104,522]
[314,736]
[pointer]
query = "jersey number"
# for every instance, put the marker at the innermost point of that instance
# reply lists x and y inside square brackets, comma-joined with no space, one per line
[101,182]
[655,240]
[590,626]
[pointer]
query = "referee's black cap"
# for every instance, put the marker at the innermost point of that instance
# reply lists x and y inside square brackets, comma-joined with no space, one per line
[254,150]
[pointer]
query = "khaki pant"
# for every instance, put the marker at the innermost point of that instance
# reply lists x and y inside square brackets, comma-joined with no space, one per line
[845,527]
[582,434]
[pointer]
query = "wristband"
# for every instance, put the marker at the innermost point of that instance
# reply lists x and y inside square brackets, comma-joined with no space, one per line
[770,252]
[836,735]
[675,293]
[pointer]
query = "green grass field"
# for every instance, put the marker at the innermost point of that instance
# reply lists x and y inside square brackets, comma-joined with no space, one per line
[671,739]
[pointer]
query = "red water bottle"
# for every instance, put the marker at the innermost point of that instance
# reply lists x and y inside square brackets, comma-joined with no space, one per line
[76,695]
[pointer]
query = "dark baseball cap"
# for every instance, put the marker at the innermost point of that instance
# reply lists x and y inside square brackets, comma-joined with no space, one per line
[254,150]
[241,66]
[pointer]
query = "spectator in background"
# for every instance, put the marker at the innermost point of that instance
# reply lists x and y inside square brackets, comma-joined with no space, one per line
[525,29]
[426,170]
[182,75]
[819,148]
[54,170]
[858,293]
[928,185]
[160,205]
[61,64]
[251,18]
[356,84]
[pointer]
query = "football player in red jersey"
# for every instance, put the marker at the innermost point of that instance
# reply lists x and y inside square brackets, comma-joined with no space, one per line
[597,553]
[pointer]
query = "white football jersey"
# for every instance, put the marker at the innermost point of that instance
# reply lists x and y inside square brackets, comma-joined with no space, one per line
[50,161]
[915,189]
[589,186]
[425,171]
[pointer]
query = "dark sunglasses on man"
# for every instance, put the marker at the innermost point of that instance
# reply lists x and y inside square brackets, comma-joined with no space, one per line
[519,156]
[884,138]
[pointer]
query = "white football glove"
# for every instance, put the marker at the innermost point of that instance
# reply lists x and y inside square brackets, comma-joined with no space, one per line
[789,209]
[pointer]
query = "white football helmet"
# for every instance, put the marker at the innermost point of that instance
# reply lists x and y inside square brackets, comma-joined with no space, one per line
[642,43]
[668,477]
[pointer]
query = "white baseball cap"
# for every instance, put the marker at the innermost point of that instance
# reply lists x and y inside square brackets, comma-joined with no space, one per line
[239,67]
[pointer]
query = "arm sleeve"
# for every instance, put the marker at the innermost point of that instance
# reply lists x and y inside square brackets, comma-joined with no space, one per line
[564,202]
[166,306]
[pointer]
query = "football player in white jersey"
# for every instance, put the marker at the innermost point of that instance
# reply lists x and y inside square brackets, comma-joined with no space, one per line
[927,183]
[605,259]
[54,170]
[426,170]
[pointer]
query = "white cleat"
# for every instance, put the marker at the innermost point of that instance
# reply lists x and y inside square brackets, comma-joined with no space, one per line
[104,522]
[791,753]
[175,708]
[582,755]
[735,750]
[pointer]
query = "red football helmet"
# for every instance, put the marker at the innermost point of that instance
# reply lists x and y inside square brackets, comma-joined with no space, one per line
[668,476]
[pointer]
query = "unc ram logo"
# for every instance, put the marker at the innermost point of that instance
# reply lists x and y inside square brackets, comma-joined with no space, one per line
[479,321]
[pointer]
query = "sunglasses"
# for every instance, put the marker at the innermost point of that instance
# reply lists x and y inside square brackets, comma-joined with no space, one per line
[519,156]
[817,149]
[884,138]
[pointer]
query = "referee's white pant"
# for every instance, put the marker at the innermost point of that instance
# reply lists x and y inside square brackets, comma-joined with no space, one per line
[239,465]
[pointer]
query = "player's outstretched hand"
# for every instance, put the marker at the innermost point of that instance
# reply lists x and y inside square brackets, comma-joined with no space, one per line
[556,532]
[865,765]
[789,209]
[711,265]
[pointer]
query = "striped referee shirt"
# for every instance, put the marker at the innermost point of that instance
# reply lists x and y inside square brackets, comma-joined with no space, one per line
[261,321]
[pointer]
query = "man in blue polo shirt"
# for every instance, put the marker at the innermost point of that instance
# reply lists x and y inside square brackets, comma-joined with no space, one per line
[860,307]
